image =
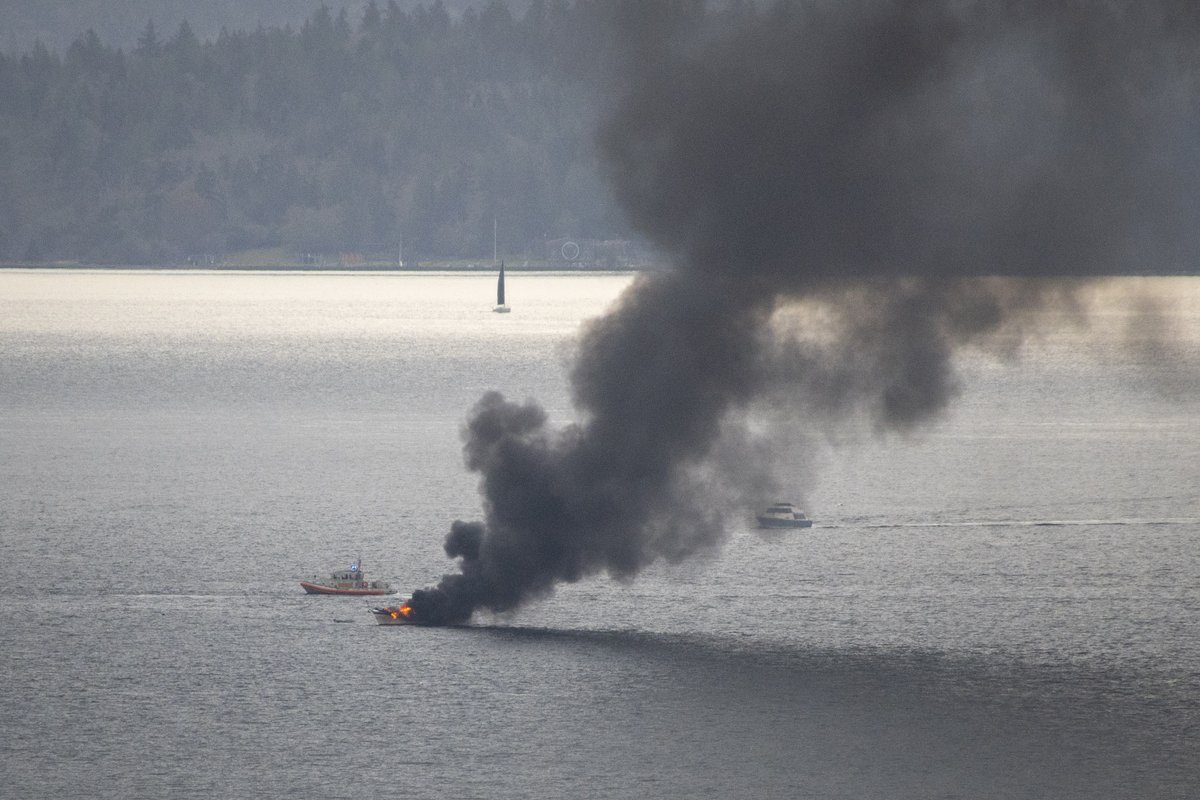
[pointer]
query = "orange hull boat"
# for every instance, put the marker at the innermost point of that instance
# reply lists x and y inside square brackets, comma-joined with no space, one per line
[351,582]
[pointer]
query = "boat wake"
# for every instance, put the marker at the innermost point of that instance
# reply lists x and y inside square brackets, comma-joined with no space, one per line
[1020,523]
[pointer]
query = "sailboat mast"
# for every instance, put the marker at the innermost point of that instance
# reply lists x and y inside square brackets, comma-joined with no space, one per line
[500,306]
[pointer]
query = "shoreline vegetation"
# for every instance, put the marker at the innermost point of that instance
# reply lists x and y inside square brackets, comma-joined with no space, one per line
[399,137]
[448,266]
[336,143]
[430,267]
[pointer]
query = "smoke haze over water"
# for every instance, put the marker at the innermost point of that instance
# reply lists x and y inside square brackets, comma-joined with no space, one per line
[922,175]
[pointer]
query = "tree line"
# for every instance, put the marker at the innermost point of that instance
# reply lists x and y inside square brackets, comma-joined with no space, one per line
[344,134]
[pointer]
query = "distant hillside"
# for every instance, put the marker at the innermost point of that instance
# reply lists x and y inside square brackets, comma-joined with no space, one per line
[340,136]
[119,22]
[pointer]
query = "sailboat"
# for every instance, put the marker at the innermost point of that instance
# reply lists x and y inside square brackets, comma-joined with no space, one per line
[501,308]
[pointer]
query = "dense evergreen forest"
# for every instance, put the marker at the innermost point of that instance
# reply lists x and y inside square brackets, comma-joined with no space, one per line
[343,135]
[56,23]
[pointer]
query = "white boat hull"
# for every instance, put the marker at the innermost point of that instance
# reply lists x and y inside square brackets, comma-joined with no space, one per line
[392,615]
[783,515]
[784,523]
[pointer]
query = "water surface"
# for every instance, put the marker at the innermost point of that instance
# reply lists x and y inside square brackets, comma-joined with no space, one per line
[1006,604]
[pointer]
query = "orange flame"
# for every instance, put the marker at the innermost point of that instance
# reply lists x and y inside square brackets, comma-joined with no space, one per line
[397,612]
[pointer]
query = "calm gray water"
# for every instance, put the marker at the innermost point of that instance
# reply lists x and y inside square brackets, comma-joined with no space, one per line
[1006,605]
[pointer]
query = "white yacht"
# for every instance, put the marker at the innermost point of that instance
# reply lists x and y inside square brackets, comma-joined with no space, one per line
[783,515]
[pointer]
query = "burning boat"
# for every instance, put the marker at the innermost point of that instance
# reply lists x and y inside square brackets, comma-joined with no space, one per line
[352,581]
[395,615]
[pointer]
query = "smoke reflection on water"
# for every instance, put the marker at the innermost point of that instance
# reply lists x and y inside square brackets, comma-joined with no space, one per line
[1070,730]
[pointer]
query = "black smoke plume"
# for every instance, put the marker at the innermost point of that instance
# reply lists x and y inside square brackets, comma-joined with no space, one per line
[921,175]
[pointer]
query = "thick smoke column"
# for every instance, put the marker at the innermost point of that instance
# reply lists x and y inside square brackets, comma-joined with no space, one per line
[921,172]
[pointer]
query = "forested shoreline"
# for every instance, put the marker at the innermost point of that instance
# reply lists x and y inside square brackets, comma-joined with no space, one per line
[342,138]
